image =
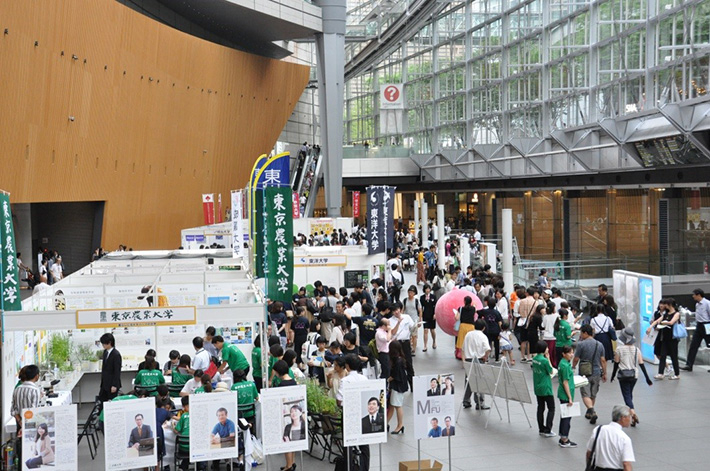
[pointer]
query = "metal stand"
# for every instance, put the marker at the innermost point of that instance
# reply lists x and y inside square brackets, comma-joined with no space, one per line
[419,454]
[504,373]
[450,462]
[478,374]
[380,453]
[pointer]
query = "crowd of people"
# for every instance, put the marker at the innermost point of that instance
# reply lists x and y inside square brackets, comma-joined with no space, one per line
[337,335]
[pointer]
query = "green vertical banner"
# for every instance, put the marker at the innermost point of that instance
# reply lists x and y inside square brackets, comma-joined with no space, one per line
[278,243]
[9,276]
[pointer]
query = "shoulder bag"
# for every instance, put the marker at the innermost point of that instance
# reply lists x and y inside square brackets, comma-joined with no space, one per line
[630,373]
[591,466]
[586,367]
[679,330]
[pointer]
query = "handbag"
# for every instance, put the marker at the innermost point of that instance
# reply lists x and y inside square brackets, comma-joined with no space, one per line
[586,368]
[628,374]
[591,461]
[679,330]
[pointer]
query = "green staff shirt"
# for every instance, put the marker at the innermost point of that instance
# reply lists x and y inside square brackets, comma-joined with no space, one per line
[542,369]
[180,379]
[149,379]
[565,372]
[256,362]
[182,427]
[234,357]
[277,379]
[125,397]
[246,394]
[563,336]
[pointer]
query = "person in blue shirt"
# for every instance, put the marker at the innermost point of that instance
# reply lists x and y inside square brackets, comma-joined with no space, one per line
[435,431]
[224,428]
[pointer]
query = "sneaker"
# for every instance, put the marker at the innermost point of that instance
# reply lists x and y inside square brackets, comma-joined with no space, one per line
[567,444]
[673,377]
[549,434]
[659,377]
[523,360]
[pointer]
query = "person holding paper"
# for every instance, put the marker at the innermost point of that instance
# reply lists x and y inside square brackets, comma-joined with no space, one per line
[224,428]
[232,357]
[140,432]
[565,393]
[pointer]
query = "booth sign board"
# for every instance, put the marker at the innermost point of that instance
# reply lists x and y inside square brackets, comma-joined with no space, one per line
[143,317]
[322,261]
[353,277]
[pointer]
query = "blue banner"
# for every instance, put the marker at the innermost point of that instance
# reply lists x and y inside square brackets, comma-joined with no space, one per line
[646,309]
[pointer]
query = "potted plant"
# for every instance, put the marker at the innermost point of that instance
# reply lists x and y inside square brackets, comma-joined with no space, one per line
[86,356]
[59,350]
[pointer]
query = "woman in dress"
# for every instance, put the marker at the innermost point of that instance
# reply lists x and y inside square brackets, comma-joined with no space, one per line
[44,454]
[428,304]
[663,320]
[627,359]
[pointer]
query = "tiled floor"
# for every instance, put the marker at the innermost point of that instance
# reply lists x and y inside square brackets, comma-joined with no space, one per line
[674,429]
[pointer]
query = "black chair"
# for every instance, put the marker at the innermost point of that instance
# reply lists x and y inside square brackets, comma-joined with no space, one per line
[333,434]
[90,429]
[174,389]
[181,441]
[315,433]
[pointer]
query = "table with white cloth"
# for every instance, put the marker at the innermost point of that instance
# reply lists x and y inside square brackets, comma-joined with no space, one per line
[63,398]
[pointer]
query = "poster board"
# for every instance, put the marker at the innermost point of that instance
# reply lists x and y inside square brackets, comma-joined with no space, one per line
[284,419]
[353,277]
[213,426]
[512,386]
[59,449]
[636,296]
[131,426]
[434,406]
[364,412]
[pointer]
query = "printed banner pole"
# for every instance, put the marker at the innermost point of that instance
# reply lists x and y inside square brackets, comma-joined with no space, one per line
[278,243]
[9,274]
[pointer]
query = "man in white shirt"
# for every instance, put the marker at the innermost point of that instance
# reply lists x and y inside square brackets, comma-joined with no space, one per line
[613,448]
[201,360]
[56,270]
[557,299]
[404,325]
[475,345]
[476,235]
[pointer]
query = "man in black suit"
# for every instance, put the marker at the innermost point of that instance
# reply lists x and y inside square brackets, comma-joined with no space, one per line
[110,369]
[434,388]
[140,432]
[374,421]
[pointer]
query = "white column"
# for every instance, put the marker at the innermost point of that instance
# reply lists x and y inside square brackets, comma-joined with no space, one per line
[441,248]
[416,218]
[425,224]
[508,249]
[465,254]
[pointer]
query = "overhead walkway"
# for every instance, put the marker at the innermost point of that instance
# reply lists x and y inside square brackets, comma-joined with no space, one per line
[365,166]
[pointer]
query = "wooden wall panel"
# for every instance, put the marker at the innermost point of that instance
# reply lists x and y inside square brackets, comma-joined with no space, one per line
[160,117]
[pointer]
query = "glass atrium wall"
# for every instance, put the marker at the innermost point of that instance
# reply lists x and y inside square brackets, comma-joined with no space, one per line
[511,72]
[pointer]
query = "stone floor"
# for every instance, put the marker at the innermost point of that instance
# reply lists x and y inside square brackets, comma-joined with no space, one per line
[675,418]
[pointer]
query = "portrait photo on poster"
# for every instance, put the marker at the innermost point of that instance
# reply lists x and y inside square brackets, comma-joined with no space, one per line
[224,431]
[141,439]
[39,440]
[294,420]
[213,426]
[373,413]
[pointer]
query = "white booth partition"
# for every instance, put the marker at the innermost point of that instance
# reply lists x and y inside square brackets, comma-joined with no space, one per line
[52,331]
[335,265]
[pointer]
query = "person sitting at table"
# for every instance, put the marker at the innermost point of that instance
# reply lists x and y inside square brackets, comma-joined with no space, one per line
[149,353]
[205,385]
[193,383]
[182,428]
[173,362]
[149,376]
[140,432]
[44,454]
[246,396]
[181,373]
[163,392]
[224,428]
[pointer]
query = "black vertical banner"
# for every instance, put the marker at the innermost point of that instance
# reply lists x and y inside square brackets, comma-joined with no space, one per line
[388,214]
[375,222]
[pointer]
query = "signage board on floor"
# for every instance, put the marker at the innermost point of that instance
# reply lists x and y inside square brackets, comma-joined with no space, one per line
[213,426]
[434,406]
[49,438]
[284,419]
[130,434]
[364,412]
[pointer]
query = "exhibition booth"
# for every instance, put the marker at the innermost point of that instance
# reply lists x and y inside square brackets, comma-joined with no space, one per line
[156,299]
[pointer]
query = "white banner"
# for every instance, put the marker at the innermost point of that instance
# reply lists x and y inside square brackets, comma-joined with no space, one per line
[140,317]
[130,434]
[434,406]
[391,121]
[49,438]
[321,261]
[284,419]
[364,412]
[213,426]
[237,224]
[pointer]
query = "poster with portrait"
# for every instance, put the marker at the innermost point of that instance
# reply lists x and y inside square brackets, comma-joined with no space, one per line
[214,426]
[131,426]
[284,419]
[364,412]
[49,438]
[434,406]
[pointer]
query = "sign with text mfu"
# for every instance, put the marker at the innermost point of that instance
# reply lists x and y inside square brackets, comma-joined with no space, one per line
[143,317]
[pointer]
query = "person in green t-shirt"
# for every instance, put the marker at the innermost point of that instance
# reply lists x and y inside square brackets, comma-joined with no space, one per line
[542,382]
[150,376]
[563,332]
[232,357]
[565,393]
[256,363]
[247,395]
[182,428]
[180,373]
[206,386]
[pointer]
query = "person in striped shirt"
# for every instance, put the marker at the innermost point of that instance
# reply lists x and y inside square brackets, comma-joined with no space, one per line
[25,396]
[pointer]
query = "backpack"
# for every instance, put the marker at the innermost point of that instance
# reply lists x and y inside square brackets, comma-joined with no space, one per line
[396,282]
[372,345]
[326,312]
[437,285]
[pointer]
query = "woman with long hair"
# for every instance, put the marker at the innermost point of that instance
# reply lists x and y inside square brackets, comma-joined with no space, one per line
[627,360]
[665,345]
[533,327]
[149,375]
[340,328]
[44,454]
[398,385]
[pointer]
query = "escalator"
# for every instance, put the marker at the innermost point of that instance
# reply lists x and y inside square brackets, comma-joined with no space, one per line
[308,187]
